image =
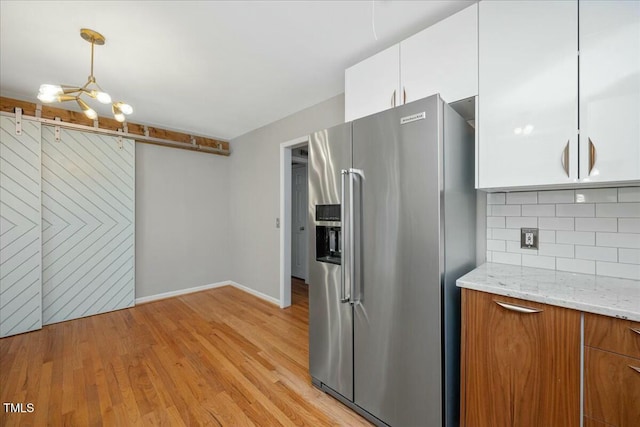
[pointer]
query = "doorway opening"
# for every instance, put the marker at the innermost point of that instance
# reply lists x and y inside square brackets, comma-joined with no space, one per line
[293,220]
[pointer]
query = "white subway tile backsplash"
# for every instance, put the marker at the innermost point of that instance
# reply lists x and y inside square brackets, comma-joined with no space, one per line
[514,248]
[614,269]
[505,234]
[629,194]
[556,249]
[496,245]
[597,253]
[576,210]
[507,258]
[495,222]
[558,196]
[624,210]
[555,223]
[629,256]
[576,237]
[546,236]
[576,265]
[596,224]
[521,221]
[495,198]
[539,210]
[597,195]
[522,198]
[629,225]
[591,231]
[537,261]
[618,240]
[505,210]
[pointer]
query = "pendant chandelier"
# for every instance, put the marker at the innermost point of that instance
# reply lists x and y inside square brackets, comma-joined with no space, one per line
[61,93]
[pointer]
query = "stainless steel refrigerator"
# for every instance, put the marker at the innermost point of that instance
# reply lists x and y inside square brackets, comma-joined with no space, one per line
[392,204]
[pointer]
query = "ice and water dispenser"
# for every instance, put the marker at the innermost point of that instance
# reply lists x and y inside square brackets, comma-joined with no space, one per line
[328,234]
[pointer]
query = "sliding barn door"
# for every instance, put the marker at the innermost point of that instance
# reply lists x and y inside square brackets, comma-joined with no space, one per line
[20,268]
[88,216]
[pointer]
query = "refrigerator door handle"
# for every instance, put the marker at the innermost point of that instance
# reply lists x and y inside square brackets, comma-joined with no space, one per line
[354,174]
[343,270]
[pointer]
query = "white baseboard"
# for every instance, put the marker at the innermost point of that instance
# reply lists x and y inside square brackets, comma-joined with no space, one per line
[179,292]
[255,293]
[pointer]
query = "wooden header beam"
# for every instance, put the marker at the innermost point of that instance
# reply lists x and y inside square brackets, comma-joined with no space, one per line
[9,105]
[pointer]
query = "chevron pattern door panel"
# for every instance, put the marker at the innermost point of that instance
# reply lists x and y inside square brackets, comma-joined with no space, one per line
[20,227]
[88,202]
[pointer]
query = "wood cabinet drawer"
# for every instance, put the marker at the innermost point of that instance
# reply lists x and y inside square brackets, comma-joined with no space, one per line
[609,333]
[612,388]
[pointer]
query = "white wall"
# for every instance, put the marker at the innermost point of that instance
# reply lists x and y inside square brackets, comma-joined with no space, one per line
[182,219]
[255,194]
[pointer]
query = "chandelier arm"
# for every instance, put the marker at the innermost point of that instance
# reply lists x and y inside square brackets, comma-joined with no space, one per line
[70,89]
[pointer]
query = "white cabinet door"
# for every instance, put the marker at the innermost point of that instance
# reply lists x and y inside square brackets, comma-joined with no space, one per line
[528,100]
[609,90]
[442,59]
[372,85]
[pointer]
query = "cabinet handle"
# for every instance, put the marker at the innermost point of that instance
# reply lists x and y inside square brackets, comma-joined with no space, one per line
[635,368]
[404,95]
[592,155]
[518,308]
[564,159]
[637,331]
[393,99]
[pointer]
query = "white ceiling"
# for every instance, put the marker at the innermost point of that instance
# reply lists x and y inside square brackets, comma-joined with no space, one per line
[214,68]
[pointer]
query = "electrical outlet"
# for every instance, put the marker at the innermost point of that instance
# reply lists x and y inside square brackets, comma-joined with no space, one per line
[277,222]
[529,238]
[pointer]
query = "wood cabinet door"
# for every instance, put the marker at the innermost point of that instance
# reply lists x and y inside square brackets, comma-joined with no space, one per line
[518,368]
[612,388]
[442,59]
[609,90]
[528,93]
[372,85]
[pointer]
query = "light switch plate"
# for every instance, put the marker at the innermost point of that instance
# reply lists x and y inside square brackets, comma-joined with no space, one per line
[529,238]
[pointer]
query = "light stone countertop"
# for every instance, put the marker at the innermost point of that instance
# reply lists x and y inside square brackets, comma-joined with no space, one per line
[609,296]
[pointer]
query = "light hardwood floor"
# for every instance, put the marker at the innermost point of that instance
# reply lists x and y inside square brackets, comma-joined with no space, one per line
[217,357]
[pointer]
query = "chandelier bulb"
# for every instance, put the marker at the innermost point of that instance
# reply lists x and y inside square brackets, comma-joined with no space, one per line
[48,89]
[103,97]
[125,108]
[117,113]
[47,97]
[88,111]
[91,113]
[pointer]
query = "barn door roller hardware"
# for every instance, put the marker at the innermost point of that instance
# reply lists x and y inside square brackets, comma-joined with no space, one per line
[18,121]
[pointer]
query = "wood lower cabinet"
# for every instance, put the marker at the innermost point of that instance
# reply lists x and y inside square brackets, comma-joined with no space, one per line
[612,372]
[520,363]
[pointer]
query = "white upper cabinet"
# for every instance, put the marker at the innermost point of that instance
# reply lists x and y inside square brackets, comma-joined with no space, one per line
[372,85]
[442,59]
[528,93]
[609,91]
[531,82]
